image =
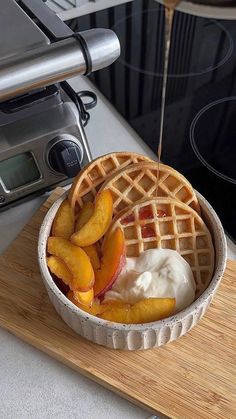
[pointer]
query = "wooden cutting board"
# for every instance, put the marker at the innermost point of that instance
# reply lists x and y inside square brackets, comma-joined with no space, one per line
[194,377]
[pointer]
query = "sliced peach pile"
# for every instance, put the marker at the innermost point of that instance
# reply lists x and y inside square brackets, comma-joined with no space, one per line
[98,223]
[76,260]
[112,262]
[75,265]
[144,311]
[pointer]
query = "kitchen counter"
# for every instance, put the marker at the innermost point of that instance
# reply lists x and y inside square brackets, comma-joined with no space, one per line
[32,384]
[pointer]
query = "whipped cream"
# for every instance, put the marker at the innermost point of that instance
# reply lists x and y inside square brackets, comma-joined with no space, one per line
[156,273]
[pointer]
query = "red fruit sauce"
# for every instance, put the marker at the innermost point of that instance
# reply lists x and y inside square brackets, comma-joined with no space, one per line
[128,219]
[145,213]
[147,231]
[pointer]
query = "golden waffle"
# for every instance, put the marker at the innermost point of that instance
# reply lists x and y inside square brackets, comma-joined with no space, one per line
[166,223]
[139,181]
[88,181]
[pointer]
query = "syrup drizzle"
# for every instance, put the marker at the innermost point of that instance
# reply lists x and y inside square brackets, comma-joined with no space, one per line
[170,6]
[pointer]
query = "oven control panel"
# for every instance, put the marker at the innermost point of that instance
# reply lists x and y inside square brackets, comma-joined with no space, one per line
[41,152]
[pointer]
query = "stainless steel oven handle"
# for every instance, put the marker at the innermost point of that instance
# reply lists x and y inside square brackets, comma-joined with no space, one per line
[56,62]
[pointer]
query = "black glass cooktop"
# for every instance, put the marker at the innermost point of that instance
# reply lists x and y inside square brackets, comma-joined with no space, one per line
[200,118]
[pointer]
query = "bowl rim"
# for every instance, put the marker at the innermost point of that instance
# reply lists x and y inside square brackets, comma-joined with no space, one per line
[178,317]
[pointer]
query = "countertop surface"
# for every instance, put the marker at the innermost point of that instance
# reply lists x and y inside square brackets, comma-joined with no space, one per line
[32,384]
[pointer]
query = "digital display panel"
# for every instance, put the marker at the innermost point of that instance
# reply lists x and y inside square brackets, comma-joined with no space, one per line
[18,171]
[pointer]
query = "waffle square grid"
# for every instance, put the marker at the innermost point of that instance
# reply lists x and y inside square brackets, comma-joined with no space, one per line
[89,180]
[148,179]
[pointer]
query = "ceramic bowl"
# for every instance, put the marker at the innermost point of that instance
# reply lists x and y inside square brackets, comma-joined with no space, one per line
[134,336]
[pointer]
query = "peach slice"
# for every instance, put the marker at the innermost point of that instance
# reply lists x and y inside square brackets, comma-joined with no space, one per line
[92,253]
[94,308]
[63,224]
[76,260]
[84,215]
[84,298]
[113,304]
[58,268]
[144,311]
[98,224]
[112,262]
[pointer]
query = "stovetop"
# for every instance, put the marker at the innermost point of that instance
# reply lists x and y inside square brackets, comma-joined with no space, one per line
[200,118]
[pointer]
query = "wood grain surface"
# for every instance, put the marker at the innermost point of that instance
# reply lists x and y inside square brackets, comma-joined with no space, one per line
[194,377]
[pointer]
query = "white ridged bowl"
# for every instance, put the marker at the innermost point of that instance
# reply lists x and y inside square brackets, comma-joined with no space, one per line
[134,336]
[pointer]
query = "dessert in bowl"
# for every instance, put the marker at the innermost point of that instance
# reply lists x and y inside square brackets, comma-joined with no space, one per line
[131,257]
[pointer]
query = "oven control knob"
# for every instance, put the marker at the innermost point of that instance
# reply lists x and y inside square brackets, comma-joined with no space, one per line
[65,157]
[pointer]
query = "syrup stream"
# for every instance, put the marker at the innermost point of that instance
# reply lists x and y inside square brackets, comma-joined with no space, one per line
[169,15]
